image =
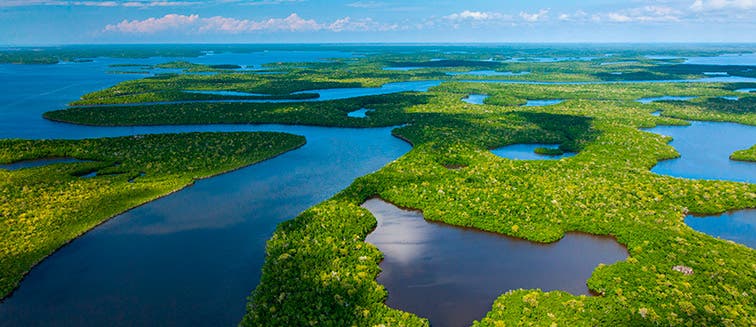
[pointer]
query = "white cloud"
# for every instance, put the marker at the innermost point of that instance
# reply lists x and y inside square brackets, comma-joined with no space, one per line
[659,14]
[534,17]
[153,25]
[228,25]
[476,16]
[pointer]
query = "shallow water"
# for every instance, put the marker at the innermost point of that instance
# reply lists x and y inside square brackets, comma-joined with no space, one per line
[747,90]
[476,98]
[664,98]
[717,79]
[228,93]
[487,73]
[37,163]
[705,149]
[527,152]
[452,275]
[323,94]
[747,59]
[737,226]
[542,103]
[402,69]
[359,113]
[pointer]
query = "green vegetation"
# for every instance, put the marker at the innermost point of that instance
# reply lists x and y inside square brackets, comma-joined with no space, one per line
[549,151]
[319,270]
[44,208]
[745,155]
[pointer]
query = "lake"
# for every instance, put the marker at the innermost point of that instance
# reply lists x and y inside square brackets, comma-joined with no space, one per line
[452,275]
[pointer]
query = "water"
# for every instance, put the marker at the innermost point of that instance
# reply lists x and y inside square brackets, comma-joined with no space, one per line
[716,79]
[664,98]
[452,275]
[476,98]
[705,149]
[619,62]
[402,69]
[228,93]
[543,103]
[323,94]
[731,98]
[487,73]
[737,226]
[746,90]
[389,88]
[193,257]
[747,59]
[527,152]
[190,258]
[38,163]
[359,113]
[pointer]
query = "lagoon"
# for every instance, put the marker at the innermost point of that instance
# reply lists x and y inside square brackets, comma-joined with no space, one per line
[452,275]
[527,152]
[705,149]
[737,226]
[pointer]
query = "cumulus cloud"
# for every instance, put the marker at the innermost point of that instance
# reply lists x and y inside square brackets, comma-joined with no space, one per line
[153,25]
[475,16]
[228,25]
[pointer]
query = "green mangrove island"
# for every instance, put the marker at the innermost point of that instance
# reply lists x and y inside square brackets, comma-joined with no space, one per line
[319,271]
[45,207]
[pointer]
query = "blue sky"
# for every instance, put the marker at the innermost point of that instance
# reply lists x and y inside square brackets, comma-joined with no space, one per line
[28,22]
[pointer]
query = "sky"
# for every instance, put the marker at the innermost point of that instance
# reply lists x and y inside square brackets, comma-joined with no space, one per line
[52,22]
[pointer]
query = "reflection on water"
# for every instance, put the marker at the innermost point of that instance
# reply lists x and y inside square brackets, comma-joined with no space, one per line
[664,98]
[527,152]
[475,98]
[38,163]
[359,113]
[737,226]
[542,103]
[452,275]
[192,258]
[705,149]
[487,73]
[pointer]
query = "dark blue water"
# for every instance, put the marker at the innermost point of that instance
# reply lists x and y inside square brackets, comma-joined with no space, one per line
[737,226]
[452,275]
[38,163]
[705,149]
[527,152]
[187,259]
[190,258]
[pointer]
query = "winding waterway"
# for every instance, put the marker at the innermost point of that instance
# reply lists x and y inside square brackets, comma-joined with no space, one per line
[191,258]
[187,259]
